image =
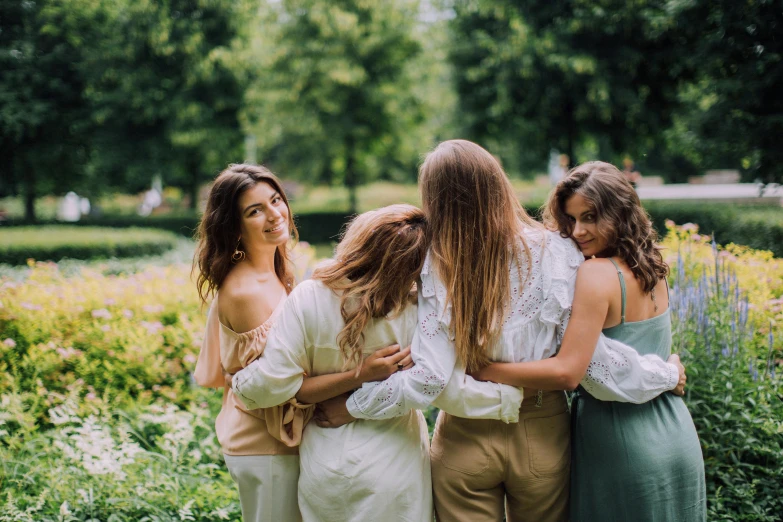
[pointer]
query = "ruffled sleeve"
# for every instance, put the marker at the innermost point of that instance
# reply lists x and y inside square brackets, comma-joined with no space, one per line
[559,264]
[617,372]
[274,378]
[209,371]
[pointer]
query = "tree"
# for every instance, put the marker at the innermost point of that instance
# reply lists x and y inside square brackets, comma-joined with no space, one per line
[44,117]
[166,86]
[736,105]
[334,96]
[556,74]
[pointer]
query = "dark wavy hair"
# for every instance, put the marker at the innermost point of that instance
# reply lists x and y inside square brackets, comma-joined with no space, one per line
[375,269]
[220,227]
[620,218]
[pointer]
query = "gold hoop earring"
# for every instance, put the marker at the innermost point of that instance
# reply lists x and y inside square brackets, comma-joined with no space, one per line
[238,255]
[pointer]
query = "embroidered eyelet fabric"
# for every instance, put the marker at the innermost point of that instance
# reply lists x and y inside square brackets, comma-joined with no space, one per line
[541,297]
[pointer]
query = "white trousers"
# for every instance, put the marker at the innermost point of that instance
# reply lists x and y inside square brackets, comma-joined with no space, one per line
[267,486]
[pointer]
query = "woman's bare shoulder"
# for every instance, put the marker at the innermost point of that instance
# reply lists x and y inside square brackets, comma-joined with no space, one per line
[247,301]
[598,275]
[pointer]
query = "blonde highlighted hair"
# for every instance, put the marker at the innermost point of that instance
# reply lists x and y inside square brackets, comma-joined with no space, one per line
[375,269]
[476,225]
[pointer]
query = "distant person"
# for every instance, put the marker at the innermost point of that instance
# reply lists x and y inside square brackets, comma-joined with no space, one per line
[558,167]
[631,174]
[70,208]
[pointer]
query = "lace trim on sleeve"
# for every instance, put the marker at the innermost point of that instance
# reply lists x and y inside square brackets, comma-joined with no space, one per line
[560,262]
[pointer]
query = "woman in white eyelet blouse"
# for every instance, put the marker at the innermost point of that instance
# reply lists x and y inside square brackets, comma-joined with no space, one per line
[366,470]
[540,301]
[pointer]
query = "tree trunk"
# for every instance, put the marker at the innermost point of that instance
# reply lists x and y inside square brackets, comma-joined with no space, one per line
[29,194]
[570,134]
[193,185]
[351,180]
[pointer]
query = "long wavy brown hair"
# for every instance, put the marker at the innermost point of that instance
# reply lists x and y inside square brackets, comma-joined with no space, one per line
[220,227]
[620,218]
[375,270]
[476,225]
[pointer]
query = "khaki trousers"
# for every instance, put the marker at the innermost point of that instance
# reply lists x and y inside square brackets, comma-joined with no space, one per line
[268,486]
[483,469]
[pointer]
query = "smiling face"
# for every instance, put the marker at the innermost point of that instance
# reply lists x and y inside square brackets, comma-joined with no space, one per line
[585,222]
[264,216]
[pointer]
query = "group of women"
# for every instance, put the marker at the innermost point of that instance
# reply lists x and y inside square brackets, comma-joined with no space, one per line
[468,305]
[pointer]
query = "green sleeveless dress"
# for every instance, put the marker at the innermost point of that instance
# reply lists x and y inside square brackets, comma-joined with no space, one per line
[636,462]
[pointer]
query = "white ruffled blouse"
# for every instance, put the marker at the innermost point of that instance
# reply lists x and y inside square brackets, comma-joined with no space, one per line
[533,330]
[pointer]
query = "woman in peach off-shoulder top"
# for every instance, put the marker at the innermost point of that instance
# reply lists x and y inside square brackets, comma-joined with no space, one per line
[244,234]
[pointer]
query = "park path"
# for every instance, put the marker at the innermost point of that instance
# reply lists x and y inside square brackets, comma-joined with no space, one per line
[730,192]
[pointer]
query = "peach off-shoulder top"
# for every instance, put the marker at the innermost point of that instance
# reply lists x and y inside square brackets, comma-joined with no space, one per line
[263,431]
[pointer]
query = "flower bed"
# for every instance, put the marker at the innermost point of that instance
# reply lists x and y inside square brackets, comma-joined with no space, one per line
[99,416]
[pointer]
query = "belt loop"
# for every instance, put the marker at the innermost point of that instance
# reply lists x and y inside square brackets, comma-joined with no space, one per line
[539,398]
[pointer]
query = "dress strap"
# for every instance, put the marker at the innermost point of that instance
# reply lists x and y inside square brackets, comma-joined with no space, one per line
[622,290]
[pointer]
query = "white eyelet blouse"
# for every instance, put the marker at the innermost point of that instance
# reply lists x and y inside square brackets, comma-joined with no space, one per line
[533,330]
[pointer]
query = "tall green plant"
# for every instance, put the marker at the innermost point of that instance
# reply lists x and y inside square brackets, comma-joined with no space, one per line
[734,393]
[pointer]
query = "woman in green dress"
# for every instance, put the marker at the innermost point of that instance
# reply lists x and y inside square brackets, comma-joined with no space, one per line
[630,462]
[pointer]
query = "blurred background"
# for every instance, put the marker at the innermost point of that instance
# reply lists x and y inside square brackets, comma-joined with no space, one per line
[112,98]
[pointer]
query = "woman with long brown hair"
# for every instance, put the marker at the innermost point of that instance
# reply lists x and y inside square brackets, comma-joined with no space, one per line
[242,263]
[356,304]
[495,286]
[640,462]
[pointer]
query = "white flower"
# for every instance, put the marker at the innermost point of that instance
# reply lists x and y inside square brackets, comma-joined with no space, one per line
[65,509]
[101,313]
[221,513]
[10,342]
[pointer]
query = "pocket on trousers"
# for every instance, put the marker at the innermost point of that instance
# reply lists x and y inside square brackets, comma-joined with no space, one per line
[549,444]
[461,444]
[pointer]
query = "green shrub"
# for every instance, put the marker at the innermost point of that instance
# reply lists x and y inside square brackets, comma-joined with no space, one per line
[156,462]
[314,227]
[757,227]
[724,329]
[52,243]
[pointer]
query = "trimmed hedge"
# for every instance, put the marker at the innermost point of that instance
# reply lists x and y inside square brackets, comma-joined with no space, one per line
[55,242]
[316,227]
[760,228]
[757,227]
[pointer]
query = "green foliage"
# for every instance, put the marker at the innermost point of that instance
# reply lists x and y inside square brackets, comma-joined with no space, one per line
[167,75]
[724,330]
[734,108]
[148,463]
[44,116]
[126,90]
[315,227]
[757,227]
[532,76]
[53,243]
[334,97]
[122,339]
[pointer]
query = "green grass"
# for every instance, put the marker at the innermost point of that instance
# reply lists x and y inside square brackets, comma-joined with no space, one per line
[324,198]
